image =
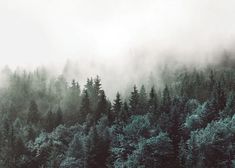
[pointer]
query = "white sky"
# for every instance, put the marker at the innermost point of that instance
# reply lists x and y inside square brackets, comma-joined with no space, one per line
[120,40]
[34,32]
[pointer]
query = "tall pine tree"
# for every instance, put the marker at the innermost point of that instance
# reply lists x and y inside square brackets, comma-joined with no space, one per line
[33,113]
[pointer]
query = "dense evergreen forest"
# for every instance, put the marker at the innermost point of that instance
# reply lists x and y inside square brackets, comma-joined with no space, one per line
[53,123]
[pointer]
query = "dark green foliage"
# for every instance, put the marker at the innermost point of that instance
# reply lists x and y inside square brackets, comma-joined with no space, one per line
[134,101]
[143,100]
[188,123]
[58,117]
[153,106]
[97,150]
[102,107]
[85,108]
[124,115]
[230,106]
[33,114]
[153,100]
[153,152]
[49,121]
[166,100]
[117,107]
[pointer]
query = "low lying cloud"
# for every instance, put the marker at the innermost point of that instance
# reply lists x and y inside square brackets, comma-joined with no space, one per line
[122,41]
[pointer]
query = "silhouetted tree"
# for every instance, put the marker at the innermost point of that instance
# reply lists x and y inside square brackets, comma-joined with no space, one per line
[134,101]
[117,106]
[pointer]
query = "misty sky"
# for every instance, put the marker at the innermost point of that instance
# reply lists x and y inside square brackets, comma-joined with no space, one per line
[102,35]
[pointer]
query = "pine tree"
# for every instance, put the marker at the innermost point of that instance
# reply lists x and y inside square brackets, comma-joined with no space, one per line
[166,100]
[97,85]
[72,98]
[117,106]
[101,107]
[58,117]
[230,106]
[95,92]
[211,81]
[85,107]
[97,150]
[91,155]
[49,121]
[73,84]
[174,129]
[153,104]
[153,100]
[134,101]
[33,114]
[143,102]
[124,114]
[220,96]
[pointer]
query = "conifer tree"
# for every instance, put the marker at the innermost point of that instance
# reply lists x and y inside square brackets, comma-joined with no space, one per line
[97,150]
[153,104]
[220,96]
[49,121]
[58,117]
[101,107]
[97,85]
[124,114]
[33,114]
[85,107]
[166,100]
[153,100]
[117,106]
[134,101]
[143,102]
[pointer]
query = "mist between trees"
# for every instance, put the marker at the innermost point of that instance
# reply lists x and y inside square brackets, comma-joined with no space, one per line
[187,121]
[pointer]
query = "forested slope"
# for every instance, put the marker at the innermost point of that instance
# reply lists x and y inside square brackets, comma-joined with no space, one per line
[51,122]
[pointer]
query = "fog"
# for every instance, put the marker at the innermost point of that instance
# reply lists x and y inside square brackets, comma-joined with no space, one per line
[122,41]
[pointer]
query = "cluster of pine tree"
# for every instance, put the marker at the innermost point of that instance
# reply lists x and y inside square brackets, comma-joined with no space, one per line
[47,123]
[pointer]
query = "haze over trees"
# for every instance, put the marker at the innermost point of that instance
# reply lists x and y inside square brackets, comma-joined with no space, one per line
[54,123]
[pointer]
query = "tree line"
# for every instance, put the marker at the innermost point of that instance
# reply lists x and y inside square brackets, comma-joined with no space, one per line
[48,122]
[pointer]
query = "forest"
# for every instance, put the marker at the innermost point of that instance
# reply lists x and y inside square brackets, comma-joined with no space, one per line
[50,122]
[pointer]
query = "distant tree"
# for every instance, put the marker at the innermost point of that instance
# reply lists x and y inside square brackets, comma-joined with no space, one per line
[153,100]
[33,113]
[72,98]
[229,109]
[89,85]
[166,100]
[30,133]
[212,80]
[97,85]
[143,100]
[220,96]
[101,107]
[117,106]
[124,114]
[49,123]
[134,101]
[85,108]
[153,104]
[93,88]
[215,104]
[58,117]
[13,112]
